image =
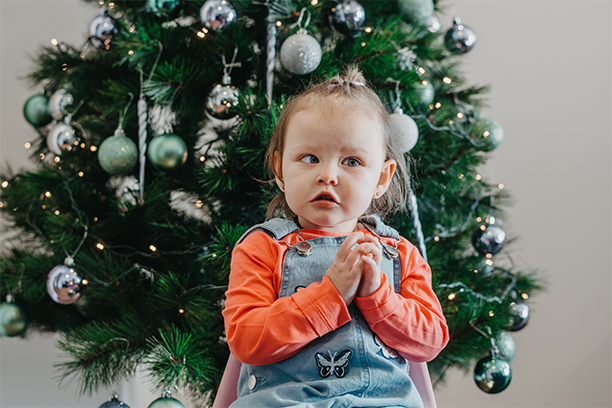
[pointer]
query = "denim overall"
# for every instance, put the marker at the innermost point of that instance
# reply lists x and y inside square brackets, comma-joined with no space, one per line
[348,367]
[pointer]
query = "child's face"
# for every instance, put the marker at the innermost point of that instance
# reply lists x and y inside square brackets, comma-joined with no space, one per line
[332,167]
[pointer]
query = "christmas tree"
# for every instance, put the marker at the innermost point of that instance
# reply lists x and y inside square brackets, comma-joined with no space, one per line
[150,166]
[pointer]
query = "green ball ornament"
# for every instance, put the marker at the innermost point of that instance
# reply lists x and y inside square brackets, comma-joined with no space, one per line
[416,11]
[492,374]
[13,321]
[487,134]
[166,401]
[425,92]
[118,154]
[160,7]
[36,111]
[167,151]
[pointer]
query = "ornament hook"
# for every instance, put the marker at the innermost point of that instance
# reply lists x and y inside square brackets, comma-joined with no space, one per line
[227,68]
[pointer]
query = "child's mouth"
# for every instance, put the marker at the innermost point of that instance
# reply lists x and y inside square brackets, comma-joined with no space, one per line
[325,197]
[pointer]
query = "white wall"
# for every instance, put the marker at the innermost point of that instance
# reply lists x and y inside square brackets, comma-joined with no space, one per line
[549,65]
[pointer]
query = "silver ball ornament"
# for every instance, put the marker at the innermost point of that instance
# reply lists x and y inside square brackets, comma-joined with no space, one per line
[221,100]
[487,134]
[118,154]
[432,24]
[301,53]
[506,346]
[416,11]
[36,111]
[407,128]
[492,374]
[349,17]
[519,316]
[167,151]
[114,403]
[13,320]
[217,14]
[61,137]
[101,31]
[58,103]
[460,38]
[64,284]
[489,237]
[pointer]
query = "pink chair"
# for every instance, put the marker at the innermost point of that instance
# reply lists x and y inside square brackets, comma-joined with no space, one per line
[229,383]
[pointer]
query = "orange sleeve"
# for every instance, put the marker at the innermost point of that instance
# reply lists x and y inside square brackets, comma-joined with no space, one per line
[411,322]
[262,328]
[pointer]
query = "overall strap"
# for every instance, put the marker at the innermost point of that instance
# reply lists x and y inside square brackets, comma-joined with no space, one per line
[276,228]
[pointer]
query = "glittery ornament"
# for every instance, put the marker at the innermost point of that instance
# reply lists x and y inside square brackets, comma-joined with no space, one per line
[114,403]
[36,111]
[118,154]
[13,320]
[506,346]
[460,38]
[101,31]
[487,134]
[161,7]
[492,374]
[64,284]
[58,103]
[406,59]
[301,54]
[407,128]
[519,316]
[349,17]
[217,14]
[61,137]
[489,237]
[416,11]
[167,151]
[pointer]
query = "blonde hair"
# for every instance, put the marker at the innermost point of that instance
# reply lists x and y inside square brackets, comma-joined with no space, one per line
[351,90]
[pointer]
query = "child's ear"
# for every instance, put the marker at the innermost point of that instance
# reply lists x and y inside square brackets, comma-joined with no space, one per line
[278,172]
[386,175]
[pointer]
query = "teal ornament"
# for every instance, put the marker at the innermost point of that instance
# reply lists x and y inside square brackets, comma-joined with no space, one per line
[160,7]
[167,151]
[492,374]
[505,344]
[416,11]
[13,321]
[36,111]
[166,401]
[425,92]
[118,154]
[519,316]
[114,403]
[487,134]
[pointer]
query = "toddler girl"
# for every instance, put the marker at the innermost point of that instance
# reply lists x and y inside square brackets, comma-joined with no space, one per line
[326,306]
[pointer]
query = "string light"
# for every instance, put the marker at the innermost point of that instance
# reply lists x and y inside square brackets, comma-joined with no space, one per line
[475,270]
[363,44]
[199,204]
[368,29]
[130,52]
[54,42]
[479,219]
[450,122]
[500,185]
[491,314]
[436,238]
[82,145]
[489,255]
[84,282]
[424,82]
[461,176]
[93,148]
[41,156]
[278,24]
[460,115]
[56,159]
[478,177]
[489,262]
[202,158]
[525,296]
[131,29]
[48,194]
[44,207]
[152,248]
[5,184]
[181,311]
[201,34]
[438,105]
[81,174]
[28,145]
[95,219]
[447,80]
[451,296]
[56,212]
[99,246]
[314,2]
[64,67]
[421,70]
[111,5]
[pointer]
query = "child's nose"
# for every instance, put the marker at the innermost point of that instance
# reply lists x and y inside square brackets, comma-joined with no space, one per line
[328,175]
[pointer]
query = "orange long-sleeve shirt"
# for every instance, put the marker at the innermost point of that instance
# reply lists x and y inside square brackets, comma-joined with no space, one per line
[264,329]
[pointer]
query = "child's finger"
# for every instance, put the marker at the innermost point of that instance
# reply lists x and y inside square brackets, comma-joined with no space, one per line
[349,242]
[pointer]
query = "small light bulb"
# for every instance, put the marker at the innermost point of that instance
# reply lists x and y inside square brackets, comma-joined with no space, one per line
[181,311]
[5,184]
[44,207]
[48,194]
[436,238]
[486,133]
[478,177]
[111,5]
[368,29]
[54,42]
[152,248]
[95,219]
[461,176]
[438,105]
[491,313]
[314,2]
[460,115]
[201,34]
[130,52]
[93,148]
[81,174]
[100,246]
[525,296]
[489,256]
[131,29]
[424,82]
[82,145]
[489,262]
[475,270]
[500,185]
[56,212]
[447,80]
[278,24]
[199,204]
[421,70]
[56,159]
[41,156]
[451,296]
[363,44]
[478,219]
[483,227]
[85,282]
[64,67]
[202,158]
[450,122]
[28,145]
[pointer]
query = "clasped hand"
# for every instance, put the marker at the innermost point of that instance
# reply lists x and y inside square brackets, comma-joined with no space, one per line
[356,271]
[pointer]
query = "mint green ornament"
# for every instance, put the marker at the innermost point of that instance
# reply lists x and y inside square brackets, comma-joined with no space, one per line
[487,134]
[166,401]
[425,92]
[167,151]
[160,7]
[416,11]
[118,154]
[36,110]
[506,346]
[13,321]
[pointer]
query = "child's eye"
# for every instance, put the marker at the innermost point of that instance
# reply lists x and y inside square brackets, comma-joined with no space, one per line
[351,162]
[310,159]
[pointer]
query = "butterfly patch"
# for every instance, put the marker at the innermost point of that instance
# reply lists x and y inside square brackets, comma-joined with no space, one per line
[333,364]
[385,350]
